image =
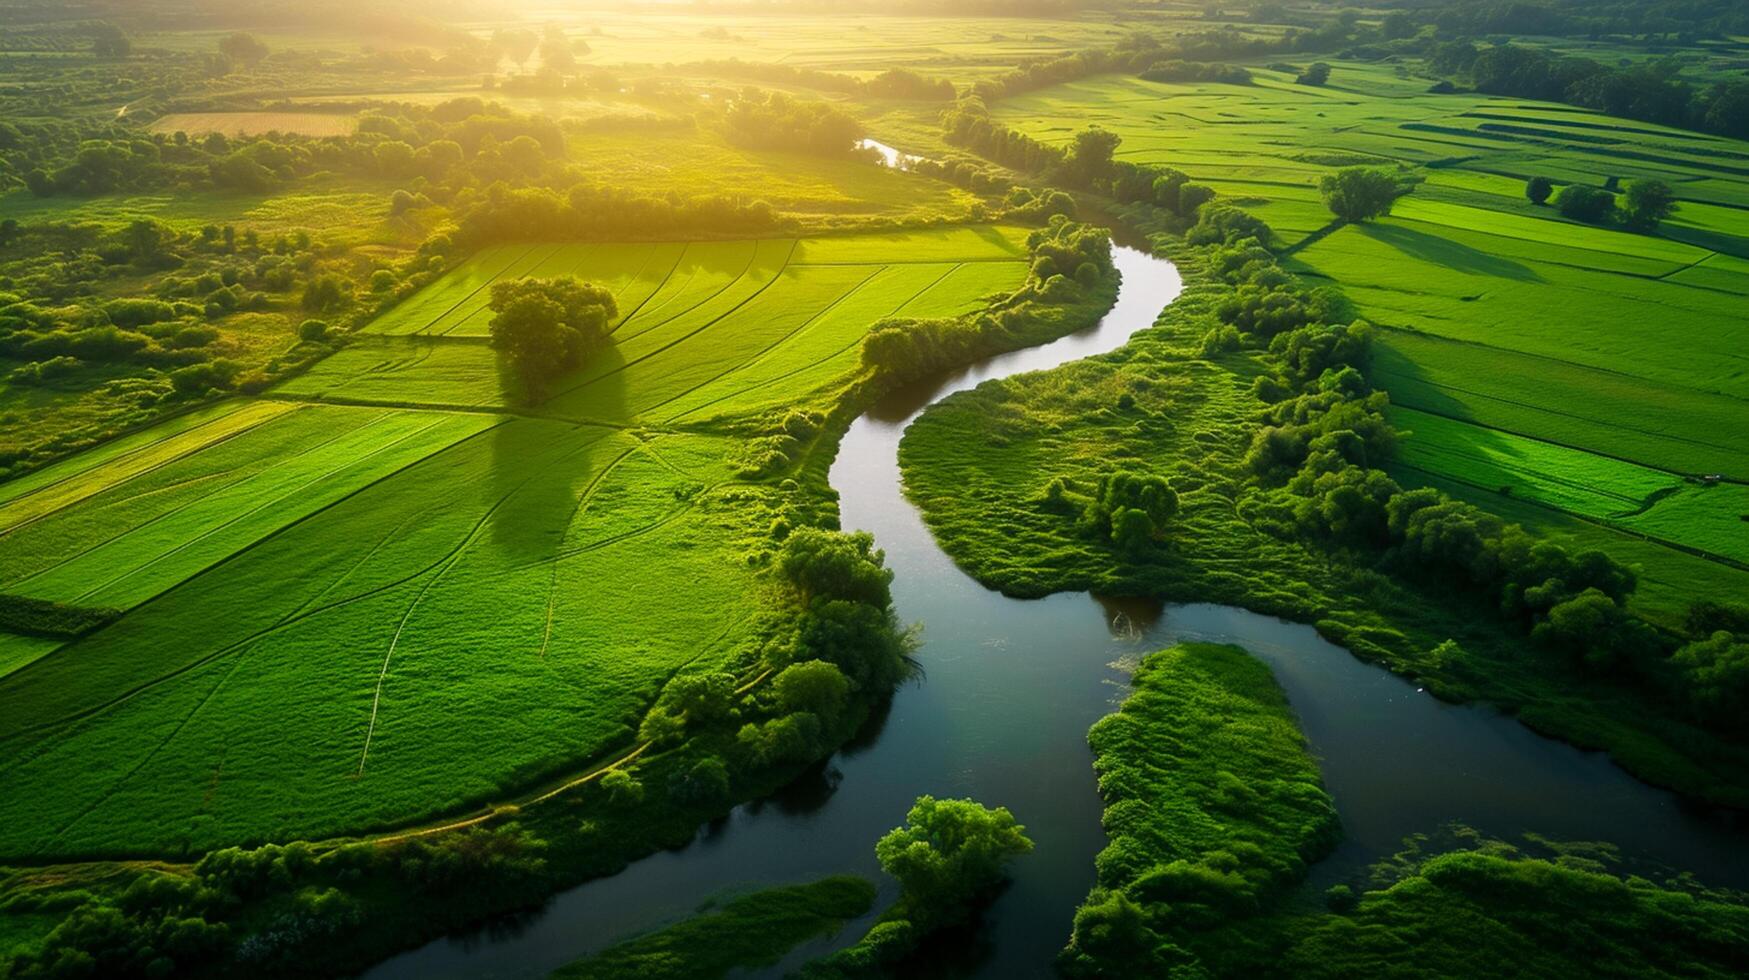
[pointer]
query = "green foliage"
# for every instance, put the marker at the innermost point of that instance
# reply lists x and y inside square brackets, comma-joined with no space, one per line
[831,565]
[1538,189]
[1131,509]
[744,933]
[1473,913]
[812,686]
[949,855]
[1213,807]
[1359,194]
[1581,203]
[1646,203]
[41,617]
[776,121]
[1317,74]
[544,327]
[1715,678]
[622,789]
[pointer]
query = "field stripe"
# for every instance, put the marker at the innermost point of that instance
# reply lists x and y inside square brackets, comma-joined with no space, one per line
[770,349]
[776,275]
[294,492]
[455,557]
[45,508]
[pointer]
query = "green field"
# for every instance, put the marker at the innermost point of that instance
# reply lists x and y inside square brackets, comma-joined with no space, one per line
[399,588]
[1590,369]
[705,330]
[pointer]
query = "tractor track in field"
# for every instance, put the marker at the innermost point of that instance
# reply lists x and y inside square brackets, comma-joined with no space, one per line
[806,367]
[305,485]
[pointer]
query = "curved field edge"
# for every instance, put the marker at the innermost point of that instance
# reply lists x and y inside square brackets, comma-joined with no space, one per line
[979,464]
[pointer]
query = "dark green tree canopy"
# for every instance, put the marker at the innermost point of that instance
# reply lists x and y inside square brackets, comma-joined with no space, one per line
[1358,194]
[1581,203]
[950,853]
[1646,203]
[544,327]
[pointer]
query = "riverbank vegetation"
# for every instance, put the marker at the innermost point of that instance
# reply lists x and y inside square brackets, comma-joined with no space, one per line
[415,424]
[743,933]
[1215,812]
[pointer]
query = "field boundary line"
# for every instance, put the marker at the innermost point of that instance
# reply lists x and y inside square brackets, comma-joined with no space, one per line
[1556,442]
[218,441]
[442,568]
[675,419]
[582,505]
[752,257]
[1605,524]
[1392,328]
[458,304]
[312,481]
[85,713]
[767,350]
[775,276]
[652,293]
[132,430]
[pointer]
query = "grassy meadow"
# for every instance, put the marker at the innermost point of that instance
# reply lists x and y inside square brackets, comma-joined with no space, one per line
[421,571]
[1586,370]
[705,329]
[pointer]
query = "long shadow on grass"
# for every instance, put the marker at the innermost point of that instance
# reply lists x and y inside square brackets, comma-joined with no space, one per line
[541,500]
[1420,245]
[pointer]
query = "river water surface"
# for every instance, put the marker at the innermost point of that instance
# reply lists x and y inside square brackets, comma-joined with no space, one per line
[1012,686]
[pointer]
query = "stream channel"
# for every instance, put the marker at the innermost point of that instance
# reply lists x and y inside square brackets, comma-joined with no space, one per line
[1001,715]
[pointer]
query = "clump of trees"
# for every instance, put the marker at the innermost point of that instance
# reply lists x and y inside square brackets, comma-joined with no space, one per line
[949,858]
[544,327]
[1069,260]
[1197,71]
[1318,73]
[1131,509]
[776,121]
[1089,164]
[1646,203]
[1358,194]
[1581,203]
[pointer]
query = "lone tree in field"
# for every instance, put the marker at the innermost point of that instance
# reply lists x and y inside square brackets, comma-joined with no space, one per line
[1646,203]
[243,49]
[1317,74]
[949,854]
[544,327]
[1538,189]
[1356,194]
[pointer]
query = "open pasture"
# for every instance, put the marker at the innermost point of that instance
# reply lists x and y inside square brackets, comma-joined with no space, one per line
[705,329]
[1583,366]
[489,604]
[436,602]
[122,533]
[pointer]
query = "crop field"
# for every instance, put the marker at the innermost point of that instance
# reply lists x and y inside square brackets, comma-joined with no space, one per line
[705,329]
[252,123]
[1594,371]
[400,586]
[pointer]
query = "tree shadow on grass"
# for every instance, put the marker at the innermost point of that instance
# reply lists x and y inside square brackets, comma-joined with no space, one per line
[1433,249]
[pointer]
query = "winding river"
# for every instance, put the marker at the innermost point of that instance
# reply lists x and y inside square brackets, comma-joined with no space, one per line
[1002,716]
